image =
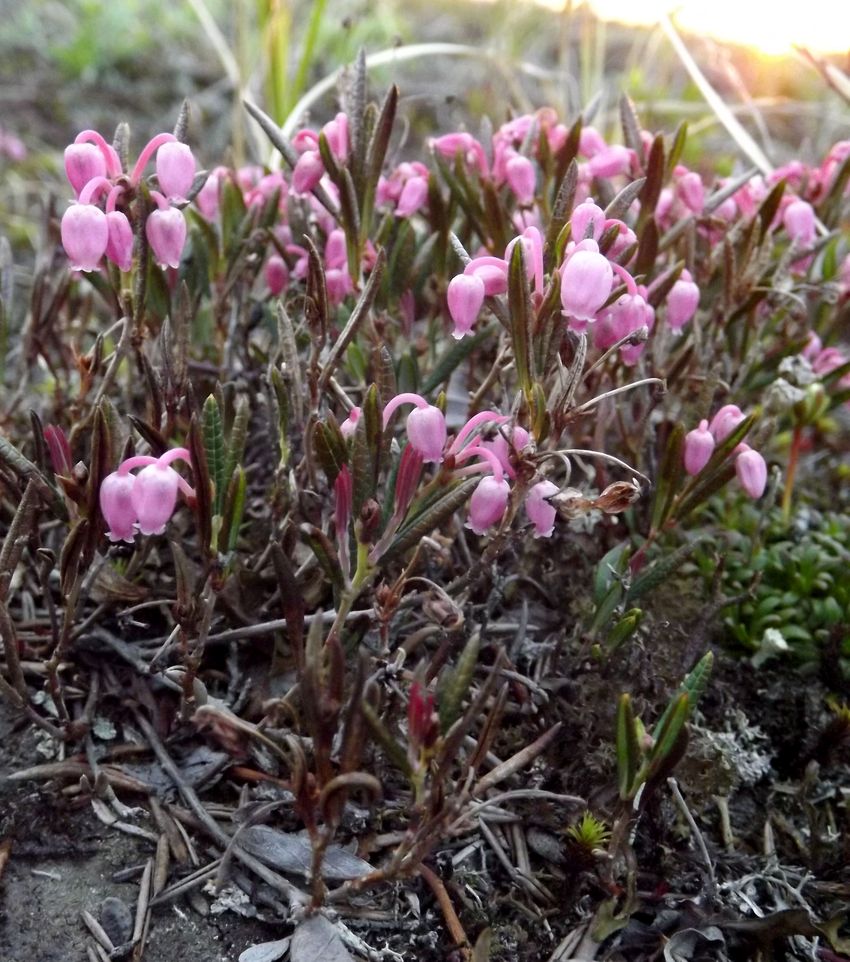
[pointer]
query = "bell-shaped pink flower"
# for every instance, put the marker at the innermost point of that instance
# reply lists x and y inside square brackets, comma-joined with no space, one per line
[175,168]
[83,162]
[85,235]
[277,274]
[610,162]
[588,221]
[492,270]
[154,497]
[591,142]
[339,285]
[699,446]
[208,197]
[336,134]
[626,315]
[586,281]
[116,506]
[336,254]
[307,172]
[502,450]
[488,503]
[682,302]
[540,512]
[426,431]
[465,296]
[119,247]
[725,421]
[165,229]
[690,189]
[521,178]
[751,470]
[799,221]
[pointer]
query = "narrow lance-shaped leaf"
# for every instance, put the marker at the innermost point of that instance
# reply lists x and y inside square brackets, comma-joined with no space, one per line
[521,314]
[454,685]
[214,448]
[366,451]
[628,750]
[432,517]
[670,476]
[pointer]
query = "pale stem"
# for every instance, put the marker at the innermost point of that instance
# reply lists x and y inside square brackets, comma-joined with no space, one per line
[472,424]
[619,390]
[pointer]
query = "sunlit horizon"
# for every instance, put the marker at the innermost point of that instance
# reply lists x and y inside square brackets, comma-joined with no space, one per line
[821,27]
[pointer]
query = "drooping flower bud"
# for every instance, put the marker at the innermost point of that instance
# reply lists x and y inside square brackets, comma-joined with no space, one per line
[175,168]
[492,270]
[586,280]
[83,162]
[465,296]
[682,301]
[540,512]
[426,431]
[165,229]
[349,425]
[116,506]
[699,446]
[413,196]
[154,497]
[799,221]
[725,421]
[307,172]
[751,470]
[277,275]
[85,235]
[610,162]
[691,191]
[521,178]
[488,503]
[588,221]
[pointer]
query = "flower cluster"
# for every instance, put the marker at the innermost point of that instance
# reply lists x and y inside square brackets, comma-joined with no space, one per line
[142,502]
[94,171]
[750,466]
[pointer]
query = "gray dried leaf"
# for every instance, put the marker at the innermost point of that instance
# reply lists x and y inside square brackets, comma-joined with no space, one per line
[293,853]
[317,940]
[696,945]
[265,951]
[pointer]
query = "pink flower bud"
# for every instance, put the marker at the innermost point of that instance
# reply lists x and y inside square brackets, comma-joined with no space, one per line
[60,450]
[307,172]
[626,315]
[725,421]
[85,234]
[116,506]
[610,162]
[407,479]
[493,271]
[699,446]
[682,302]
[207,197]
[336,254]
[588,221]
[502,450]
[813,347]
[691,191]
[349,425]
[465,296]
[119,247]
[166,233]
[586,280]
[751,470]
[154,497]
[336,134]
[799,221]
[426,431]
[540,512]
[175,168]
[488,503]
[413,196]
[339,285]
[521,178]
[423,724]
[83,162]
[277,275]
[591,142]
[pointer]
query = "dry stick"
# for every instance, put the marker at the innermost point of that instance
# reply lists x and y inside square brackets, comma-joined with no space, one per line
[448,910]
[517,761]
[294,894]
[683,808]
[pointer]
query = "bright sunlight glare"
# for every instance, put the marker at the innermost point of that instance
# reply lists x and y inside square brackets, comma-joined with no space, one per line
[823,26]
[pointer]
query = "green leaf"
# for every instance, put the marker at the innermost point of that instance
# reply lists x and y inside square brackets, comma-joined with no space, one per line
[521,314]
[453,357]
[215,451]
[454,684]
[424,522]
[366,451]
[628,749]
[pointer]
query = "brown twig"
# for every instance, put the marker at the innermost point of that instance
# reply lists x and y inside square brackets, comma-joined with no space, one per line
[452,921]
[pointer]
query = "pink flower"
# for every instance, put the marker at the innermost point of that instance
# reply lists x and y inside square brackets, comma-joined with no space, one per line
[116,506]
[799,221]
[521,178]
[488,503]
[586,280]
[413,196]
[540,512]
[307,172]
[493,271]
[751,470]
[277,275]
[610,162]
[426,425]
[119,247]
[502,450]
[349,425]
[207,197]
[83,162]
[588,221]
[725,421]
[699,446]
[682,302]
[465,296]
[154,497]
[690,189]
[175,169]
[165,229]
[85,235]
[626,315]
